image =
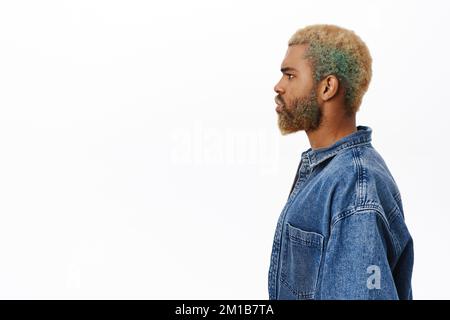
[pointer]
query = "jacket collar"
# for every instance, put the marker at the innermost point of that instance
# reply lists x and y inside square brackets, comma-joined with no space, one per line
[362,136]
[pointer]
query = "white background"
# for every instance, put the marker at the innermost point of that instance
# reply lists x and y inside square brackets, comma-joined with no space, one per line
[140,156]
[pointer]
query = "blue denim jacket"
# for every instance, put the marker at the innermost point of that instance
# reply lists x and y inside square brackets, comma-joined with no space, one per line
[342,233]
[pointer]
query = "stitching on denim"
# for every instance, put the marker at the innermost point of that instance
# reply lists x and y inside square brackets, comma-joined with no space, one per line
[367,209]
[390,220]
[309,243]
[300,180]
[358,173]
[398,199]
[358,209]
[303,294]
[362,177]
[360,180]
[393,213]
[347,145]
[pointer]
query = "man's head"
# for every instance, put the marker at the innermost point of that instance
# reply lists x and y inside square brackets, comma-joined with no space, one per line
[324,65]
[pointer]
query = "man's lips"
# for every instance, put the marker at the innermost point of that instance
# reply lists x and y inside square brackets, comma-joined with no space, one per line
[279,104]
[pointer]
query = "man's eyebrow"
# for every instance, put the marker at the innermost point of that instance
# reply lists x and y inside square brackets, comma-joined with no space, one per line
[288,69]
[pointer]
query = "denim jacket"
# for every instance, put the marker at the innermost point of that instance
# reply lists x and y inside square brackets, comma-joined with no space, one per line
[342,232]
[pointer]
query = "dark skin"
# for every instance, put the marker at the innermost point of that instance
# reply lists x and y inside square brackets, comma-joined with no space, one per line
[297,81]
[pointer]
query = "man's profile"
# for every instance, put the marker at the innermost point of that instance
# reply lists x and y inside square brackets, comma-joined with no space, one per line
[341,233]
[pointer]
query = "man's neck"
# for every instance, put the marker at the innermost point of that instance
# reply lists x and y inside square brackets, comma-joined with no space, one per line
[328,133]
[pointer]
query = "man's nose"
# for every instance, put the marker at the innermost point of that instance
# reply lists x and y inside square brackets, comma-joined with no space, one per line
[278,88]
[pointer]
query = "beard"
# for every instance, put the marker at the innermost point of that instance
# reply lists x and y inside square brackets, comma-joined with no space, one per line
[304,114]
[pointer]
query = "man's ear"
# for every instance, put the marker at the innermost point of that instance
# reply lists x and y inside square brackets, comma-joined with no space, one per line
[329,87]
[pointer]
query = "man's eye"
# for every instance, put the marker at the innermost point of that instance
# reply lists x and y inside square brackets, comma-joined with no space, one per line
[290,75]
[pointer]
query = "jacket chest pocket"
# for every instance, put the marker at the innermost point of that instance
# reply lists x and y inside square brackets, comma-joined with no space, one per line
[301,262]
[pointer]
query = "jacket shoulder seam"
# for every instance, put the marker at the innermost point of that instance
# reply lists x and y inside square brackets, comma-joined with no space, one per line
[367,209]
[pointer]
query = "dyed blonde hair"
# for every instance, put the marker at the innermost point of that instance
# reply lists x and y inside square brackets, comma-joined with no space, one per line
[340,52]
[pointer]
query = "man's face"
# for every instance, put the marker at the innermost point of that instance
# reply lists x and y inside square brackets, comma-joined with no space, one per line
[297,105]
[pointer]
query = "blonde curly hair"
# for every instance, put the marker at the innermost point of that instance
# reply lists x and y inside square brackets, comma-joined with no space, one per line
[338,51]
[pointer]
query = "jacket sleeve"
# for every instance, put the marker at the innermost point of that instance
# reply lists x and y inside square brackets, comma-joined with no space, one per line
[357,259]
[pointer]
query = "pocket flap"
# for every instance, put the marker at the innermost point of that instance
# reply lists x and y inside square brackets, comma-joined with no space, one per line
[306,238]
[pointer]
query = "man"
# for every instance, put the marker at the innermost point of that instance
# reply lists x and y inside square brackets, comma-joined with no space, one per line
[341,234]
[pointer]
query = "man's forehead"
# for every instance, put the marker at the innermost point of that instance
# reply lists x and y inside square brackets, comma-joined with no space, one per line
[294,59]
